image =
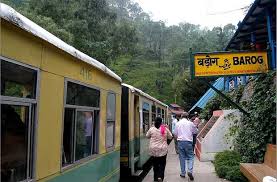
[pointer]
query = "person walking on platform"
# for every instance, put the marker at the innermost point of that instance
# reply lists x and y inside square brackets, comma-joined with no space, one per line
[158,147]
[196,121]
[184,131]
[174,122]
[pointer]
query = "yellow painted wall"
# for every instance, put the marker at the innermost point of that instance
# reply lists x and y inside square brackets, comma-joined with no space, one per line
[103,121]
[19,45]
[49,130]
[134,131]
[57,62]
[102,124]
[55,65]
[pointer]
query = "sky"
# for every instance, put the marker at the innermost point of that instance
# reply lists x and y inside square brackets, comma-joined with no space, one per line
[207,13]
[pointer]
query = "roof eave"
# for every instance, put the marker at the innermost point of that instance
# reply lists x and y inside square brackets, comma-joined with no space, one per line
[252,8]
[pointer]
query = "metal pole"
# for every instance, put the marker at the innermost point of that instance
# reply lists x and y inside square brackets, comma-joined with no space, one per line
[225,97]
[227,80]
[244,80]
[270,39]
[236,82]
[191,64]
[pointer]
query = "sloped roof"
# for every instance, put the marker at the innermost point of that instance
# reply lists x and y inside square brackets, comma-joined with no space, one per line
[219,84]
[12,16]
[255,21]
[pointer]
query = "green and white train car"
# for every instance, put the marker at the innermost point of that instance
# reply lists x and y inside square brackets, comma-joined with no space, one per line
[138,112]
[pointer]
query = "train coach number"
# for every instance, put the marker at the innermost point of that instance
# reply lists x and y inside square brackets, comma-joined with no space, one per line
[86,73]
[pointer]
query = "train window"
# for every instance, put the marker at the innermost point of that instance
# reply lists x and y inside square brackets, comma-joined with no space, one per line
[159,112]
[145,117]
[163,115]
[17,80]
[153,113]
[81,123]
[17,120]
[82,96]
[110,132]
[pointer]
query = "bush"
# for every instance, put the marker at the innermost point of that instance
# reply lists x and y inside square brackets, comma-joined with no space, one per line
[227,166]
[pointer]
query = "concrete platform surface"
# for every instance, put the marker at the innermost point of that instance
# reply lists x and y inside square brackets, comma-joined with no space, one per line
[203,171]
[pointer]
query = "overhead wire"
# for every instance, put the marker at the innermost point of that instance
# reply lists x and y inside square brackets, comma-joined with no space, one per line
[229,11]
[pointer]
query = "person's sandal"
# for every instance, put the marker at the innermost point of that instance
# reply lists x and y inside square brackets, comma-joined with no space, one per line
[160,180]
[182,176]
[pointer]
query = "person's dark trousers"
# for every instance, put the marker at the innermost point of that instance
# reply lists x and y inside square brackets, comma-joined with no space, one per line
[194,141]
[176,145]
[159,167]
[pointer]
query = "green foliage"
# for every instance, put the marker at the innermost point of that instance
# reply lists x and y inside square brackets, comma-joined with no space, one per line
[13,89]
[259,128]
[116,32]
[188,91]
[227,166]
[216,103]
[146,76]
[237,93]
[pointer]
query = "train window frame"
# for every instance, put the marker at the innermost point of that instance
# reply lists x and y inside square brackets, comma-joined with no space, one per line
[144,129]
[159,114]
[153,113]
[110,148]
[85,85]
[32,104]
[96,135]
[163,114]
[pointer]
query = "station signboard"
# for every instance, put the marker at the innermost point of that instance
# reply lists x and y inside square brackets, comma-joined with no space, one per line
[229,63]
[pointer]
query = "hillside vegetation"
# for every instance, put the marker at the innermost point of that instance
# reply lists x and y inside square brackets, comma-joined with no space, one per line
[145,53]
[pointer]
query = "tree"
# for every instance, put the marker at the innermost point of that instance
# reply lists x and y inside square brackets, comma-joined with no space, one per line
[145,53]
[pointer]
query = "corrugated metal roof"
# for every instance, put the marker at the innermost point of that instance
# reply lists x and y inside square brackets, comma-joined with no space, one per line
[219,84]
[10,15]
[254,22]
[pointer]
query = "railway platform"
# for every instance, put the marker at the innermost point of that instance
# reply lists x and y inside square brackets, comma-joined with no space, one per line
[203,171]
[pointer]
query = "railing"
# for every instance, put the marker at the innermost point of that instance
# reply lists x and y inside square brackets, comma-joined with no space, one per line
[207,127]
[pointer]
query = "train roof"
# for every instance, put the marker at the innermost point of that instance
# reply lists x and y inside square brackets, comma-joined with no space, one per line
[10,15]
[134,89]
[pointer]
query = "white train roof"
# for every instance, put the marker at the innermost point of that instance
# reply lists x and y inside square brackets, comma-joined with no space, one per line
[10,15]
[134,89]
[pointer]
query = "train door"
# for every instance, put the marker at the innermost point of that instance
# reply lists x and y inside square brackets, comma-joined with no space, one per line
[136,126]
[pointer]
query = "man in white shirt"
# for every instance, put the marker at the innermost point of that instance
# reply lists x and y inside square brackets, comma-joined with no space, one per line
[184,131]
[174,122]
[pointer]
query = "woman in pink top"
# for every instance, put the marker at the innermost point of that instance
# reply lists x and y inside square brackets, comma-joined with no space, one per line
[158,135]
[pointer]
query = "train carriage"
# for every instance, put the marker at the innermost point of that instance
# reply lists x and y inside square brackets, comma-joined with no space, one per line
[138,112]
[60,109]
